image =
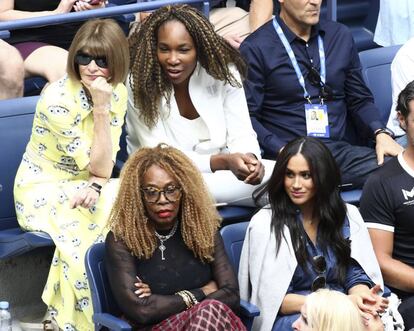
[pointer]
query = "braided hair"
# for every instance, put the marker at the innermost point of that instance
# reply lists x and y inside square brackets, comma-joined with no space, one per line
[147,79]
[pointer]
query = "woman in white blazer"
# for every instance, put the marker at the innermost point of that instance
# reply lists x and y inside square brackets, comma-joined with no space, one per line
[306,239]
[185,90]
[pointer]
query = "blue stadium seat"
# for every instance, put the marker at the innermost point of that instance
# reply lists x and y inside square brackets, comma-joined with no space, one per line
[233,238]
[33,85]
[351,196]
[235,214]
[376,70]
[16,117]
[104,305]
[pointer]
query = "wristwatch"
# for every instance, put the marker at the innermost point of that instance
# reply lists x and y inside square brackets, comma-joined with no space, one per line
[386,131]
[96,187]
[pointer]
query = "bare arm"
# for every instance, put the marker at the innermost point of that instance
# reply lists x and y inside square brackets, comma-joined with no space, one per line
[8,13]
[396,273]
[292,303]
[101,163]
[260,12]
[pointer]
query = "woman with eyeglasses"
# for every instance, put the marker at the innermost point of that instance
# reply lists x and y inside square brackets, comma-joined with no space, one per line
[307,238]
[165,258]
[185,89]
[63,185]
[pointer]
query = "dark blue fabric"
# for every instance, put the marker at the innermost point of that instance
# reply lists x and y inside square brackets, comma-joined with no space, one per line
[275,97]
[302,281]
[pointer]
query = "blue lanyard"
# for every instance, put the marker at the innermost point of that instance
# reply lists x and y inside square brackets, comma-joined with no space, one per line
[295,64]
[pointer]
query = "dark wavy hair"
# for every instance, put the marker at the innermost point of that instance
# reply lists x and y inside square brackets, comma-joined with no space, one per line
[329,207]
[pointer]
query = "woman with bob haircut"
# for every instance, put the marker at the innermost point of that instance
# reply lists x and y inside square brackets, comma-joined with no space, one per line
[329,310]
[185,90]
[307,238]
[63,185]
[165,258]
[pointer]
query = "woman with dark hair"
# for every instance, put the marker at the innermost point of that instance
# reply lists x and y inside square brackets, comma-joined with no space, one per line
[306,239]
[185,89]
[164,239]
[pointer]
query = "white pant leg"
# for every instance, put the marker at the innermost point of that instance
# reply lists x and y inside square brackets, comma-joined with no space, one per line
[226,188]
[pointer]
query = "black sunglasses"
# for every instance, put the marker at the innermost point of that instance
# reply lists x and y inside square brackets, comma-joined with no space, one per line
[319,265]
[314,78]
[84,59]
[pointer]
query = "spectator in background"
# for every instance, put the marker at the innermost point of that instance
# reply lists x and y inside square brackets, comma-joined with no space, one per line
[11,72]
[62,186]
[165,240]
[402,73]
[42,50]
[387,206]
[185,89]
[234,23]
[307,238]
[395,24]
[297,65]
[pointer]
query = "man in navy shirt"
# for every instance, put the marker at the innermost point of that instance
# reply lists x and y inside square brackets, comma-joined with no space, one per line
[298,66]
[387,206]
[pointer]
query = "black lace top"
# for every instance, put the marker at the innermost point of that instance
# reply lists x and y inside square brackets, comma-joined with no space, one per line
[180,270]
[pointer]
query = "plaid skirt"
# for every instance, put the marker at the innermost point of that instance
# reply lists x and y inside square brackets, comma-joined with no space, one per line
[208,315]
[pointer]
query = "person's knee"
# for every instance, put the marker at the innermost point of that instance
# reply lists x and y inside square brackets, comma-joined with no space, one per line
[55,67]
[11,72]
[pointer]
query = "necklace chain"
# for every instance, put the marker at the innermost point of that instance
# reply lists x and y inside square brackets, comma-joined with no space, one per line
[163,238]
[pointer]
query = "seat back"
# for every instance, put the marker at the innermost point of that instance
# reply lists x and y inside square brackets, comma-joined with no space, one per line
[102,298]
[376,70]
[16,119]
[233,237]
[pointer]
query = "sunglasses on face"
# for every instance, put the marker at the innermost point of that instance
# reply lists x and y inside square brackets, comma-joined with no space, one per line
[152,194]
[314,79]
[319,265]
[84,59]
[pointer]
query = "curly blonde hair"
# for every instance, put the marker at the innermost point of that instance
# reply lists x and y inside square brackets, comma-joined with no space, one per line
[147,79]
[199,219]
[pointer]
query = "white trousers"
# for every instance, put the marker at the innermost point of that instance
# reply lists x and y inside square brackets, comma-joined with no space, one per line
[228,190]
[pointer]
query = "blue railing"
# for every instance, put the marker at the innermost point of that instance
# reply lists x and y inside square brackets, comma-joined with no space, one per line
[85,15]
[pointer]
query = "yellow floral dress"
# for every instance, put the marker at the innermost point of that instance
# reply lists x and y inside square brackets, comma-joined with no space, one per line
[53,168]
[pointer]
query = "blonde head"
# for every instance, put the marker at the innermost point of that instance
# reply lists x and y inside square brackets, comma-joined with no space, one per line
[333,311]
[198,216]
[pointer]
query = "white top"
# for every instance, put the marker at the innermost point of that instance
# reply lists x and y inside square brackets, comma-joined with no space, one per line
[190,133]
[395,23]
[264,277]
[402,72]
[223,110]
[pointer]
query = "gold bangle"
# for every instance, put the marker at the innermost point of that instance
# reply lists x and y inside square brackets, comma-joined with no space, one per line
[192,297]
[185,298]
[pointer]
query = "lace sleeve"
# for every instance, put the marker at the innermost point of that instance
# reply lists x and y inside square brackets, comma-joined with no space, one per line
[122,270]
[225,278]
